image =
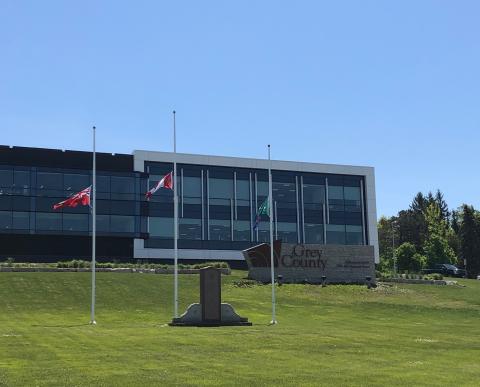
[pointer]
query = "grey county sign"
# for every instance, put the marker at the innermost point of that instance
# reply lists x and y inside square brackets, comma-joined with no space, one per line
[310,262]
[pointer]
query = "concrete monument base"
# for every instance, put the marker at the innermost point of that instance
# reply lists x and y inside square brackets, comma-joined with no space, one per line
[193,317]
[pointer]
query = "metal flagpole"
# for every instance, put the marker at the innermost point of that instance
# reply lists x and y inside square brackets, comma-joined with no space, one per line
[175,221]
[270,206]
[94,229]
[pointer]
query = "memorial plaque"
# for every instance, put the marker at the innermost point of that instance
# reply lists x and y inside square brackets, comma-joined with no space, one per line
[210,294]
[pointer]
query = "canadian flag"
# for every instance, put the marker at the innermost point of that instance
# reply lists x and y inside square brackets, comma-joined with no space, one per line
[82,197]
[166,182]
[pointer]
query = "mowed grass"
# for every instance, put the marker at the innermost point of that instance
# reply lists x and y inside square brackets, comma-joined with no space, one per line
[338,335]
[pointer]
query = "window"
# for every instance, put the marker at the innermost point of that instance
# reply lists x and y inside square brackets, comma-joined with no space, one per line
[241,230]
[122,188]
[192,187]
[21,220]
[119,223]
[284,192]
[21,182]
[220,191]
[49,181]
[161,227]
[102,223]
[354,235]
[313,233]
[287,232]
[190,228]
[335,234]
[313,193]
[220,230]
[75,222]
[73,183]
[335,198]
[48,222]
[6,178]
[263,230]
[243,193]
[5,220]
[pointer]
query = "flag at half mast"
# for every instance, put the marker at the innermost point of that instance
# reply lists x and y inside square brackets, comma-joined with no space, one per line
[166,182]
[82,198]
[264,209]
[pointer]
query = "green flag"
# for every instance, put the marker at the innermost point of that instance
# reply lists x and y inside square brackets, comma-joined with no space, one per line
[264,208]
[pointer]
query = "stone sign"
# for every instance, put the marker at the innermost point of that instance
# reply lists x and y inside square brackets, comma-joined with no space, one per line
[310,262]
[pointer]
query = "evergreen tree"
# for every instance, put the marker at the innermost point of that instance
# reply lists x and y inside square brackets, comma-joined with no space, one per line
[442,205]
[470,240]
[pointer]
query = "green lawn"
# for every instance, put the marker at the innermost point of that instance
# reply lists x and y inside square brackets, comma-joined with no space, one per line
[338,335]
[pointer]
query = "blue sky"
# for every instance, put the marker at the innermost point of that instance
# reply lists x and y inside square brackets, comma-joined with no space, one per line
[394,85]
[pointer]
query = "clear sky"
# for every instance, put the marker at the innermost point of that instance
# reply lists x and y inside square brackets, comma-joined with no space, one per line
[389,84]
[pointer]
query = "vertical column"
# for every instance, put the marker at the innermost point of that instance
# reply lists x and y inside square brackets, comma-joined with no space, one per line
[364,241]
[298,209]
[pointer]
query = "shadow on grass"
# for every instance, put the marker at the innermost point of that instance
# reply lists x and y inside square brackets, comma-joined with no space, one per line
[61,325]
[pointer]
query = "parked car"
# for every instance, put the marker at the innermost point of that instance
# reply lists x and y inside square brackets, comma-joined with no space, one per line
[447,270]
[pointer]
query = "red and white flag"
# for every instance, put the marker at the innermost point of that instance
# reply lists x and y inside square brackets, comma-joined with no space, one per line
[166,182]
[82,197]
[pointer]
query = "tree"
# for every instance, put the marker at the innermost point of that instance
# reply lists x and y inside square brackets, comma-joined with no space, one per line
[387,235]
[438,251]
[408,258]
[470,239]
[436,247]
[442,205]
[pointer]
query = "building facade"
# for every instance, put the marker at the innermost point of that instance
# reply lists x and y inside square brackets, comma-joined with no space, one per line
[218,200]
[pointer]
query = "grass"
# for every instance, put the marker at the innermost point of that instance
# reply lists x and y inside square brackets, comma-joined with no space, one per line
[338,335]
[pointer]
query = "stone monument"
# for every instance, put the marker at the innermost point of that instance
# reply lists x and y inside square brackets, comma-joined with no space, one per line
[210,311]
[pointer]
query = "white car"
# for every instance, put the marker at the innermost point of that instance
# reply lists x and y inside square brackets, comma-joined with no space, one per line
[478,277]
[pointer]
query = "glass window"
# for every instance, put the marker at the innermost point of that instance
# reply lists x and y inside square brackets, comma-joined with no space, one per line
[335,234]
[75,222]
[48,221]
[313,233]
[119,223]
[20,203]
[103,223]
[221,188]
[190,228]
[262,189]
[243,190]
[313,193]
[122,184]
[287,232]
[6,178]
[263,230]
[335,192]
[284,192]
[49,181]
[102,184]
[220,230]
[21,182]
[161,227]
[5,202]
[241,230]
[21,220]
[335,198]
[192,187]
[5,220]
[354,235]
[73,183]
